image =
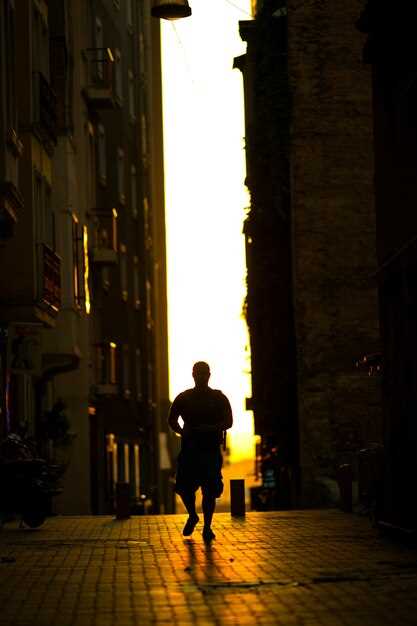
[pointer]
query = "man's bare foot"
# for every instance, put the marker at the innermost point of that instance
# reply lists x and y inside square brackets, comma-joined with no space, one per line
[190,524]
[208,535]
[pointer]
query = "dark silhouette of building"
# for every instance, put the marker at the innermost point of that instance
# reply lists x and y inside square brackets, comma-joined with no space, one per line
[84,316]
[389,48]
[310,242]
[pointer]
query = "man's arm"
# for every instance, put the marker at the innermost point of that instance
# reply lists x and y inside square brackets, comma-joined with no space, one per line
[228,416]
[173,416]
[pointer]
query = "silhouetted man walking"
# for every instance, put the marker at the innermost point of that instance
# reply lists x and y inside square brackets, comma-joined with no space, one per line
[206,414]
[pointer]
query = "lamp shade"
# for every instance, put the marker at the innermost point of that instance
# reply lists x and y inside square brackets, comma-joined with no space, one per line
[170,9]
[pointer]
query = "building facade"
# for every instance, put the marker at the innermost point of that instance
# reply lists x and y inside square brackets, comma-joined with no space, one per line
[11,199]
[310,233]
[91,174]
[395,147]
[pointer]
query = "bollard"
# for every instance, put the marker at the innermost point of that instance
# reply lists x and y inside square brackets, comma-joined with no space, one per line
[237,497]
[122,500]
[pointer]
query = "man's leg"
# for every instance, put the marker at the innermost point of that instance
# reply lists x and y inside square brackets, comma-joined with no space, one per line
[189,503]
[186,487]
[212,488]
[208,505]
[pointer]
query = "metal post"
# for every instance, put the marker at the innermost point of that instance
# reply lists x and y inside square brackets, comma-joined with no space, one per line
[237,497]
[122,500]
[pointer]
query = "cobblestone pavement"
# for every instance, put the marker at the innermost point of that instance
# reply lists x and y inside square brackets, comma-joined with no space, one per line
[298,568]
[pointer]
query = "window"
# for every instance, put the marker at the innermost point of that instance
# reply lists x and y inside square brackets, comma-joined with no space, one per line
[87,300]
[137,472]
[136,287]
[129,13]
[144,139]
[40,42]
[10,64]
[138,372]
[146,218]
[123,272]
[142,48]
[106,372]
[114,229]
[76,283]
[101,149]
[118,76]
[150,384]
[132,102]
[112,369]
[133,192]
[44,216]
[99,39]
[149,322]
[91,178]
[49,217]
[112,464]
[105,278]
[121,175]
[37,205]
[126,371]
[126,476]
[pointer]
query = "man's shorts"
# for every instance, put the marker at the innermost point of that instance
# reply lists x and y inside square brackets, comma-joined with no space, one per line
[199,468]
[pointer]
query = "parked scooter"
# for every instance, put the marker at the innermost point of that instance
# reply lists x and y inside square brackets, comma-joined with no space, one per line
[27,482]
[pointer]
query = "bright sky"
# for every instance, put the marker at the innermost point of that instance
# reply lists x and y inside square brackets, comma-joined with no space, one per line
[205,203]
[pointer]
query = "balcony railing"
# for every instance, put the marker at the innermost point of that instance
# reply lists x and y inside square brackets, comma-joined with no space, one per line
[49,279]
[11,201]
[104,240]
[44,110]
[99,91]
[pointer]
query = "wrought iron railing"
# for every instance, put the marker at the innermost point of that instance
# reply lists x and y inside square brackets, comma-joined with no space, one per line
[49,278]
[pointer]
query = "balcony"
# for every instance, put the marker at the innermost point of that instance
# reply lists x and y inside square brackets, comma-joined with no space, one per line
[104,240]
[49,280]
[11,201]
[44,111]
[99,92]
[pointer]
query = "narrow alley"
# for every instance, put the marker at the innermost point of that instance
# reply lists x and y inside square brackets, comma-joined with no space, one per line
[292,568]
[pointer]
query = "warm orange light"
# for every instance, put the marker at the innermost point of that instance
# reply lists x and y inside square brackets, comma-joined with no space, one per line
[86,271]
[205,206]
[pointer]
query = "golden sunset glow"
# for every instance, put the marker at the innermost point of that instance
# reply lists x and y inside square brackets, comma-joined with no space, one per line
[205,204]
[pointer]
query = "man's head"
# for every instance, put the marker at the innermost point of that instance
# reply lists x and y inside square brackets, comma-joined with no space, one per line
[201,373]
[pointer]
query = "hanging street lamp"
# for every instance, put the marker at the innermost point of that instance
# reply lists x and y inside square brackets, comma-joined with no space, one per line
[170,9]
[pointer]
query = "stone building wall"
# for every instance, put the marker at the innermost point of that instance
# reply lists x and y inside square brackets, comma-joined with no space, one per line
[333,222]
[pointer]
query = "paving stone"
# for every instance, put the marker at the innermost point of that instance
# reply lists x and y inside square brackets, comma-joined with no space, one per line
[300,568]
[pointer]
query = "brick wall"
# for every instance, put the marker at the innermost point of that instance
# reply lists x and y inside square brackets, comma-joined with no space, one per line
[333,233]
